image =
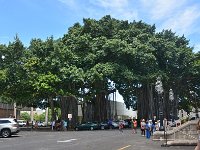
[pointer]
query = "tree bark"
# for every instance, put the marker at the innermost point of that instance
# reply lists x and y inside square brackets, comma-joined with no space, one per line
[69,105]
[51,102]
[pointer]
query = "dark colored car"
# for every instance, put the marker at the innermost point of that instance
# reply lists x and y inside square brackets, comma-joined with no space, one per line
[87,126]
[114,125]
[128,123]
[104,125]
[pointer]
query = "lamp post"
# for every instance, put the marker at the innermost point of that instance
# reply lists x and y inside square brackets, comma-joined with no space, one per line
[159,89]
[171,98]
[195,100]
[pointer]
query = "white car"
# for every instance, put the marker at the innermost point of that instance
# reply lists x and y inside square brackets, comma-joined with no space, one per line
[22,123]
[41,124]
[8,126]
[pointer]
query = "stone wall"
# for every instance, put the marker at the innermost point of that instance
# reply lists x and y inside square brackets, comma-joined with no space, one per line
[186,131]
[5,113]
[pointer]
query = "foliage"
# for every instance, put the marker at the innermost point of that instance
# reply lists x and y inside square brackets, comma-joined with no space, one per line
[95,53]
[25,116]
[38,117]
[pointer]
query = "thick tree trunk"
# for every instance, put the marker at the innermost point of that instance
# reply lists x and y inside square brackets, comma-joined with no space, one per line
[108,108]
[146,105]
[51,102]
[83,111]
[100,104]
[150,99]
[89,112]
[63,106]
[69,106]
[142,104]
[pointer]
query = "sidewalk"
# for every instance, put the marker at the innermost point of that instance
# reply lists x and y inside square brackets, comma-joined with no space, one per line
[160,145]
[139,142]
[34,129]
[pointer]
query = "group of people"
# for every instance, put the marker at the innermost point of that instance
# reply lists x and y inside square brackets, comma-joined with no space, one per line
[148,127]
[59,125]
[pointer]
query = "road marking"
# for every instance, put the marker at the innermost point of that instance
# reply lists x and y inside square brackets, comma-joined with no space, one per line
[124,147]
[67,141]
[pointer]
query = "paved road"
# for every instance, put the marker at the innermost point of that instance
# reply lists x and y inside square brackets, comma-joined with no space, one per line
[83,140]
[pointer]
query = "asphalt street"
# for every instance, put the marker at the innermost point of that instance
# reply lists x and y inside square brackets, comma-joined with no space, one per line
[83,140]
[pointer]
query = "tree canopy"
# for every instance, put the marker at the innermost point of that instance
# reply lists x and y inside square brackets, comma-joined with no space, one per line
[90,56]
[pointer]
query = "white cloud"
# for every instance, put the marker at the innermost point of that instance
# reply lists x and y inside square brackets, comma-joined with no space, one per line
[163,9]
[179,15]
[160,9]
[184,21]
[70,3]
[197,48]
[117,8]
[111,4]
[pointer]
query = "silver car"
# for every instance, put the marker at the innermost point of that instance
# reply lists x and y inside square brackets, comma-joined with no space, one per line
[8,126]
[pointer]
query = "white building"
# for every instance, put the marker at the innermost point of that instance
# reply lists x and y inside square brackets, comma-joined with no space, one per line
[122,111]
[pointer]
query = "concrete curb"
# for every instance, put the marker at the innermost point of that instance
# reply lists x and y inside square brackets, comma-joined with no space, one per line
[182,143]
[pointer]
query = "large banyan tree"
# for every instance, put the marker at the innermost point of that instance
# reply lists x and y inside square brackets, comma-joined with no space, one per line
[96,58]
[132,55]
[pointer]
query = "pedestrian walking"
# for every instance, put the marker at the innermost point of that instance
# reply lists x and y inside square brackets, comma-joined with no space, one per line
[154,124]
[121,126]
[110,123]
[151,127]
[53,123]
[27,123]
[148,130]
[64,125]
[58,125]
[157,126]
[134,126]
[142,127]
[36,125]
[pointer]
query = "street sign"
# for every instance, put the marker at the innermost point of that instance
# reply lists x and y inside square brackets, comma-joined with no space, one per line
[70,116]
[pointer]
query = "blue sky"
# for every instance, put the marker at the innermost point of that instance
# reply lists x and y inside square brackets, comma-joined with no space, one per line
[44,18]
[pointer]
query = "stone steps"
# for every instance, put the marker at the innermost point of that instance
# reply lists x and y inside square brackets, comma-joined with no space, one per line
[182,143]
[185,134]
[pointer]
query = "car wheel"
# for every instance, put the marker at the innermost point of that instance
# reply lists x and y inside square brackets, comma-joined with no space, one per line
[5,133]
[91,128]
[76,129]
[102,128]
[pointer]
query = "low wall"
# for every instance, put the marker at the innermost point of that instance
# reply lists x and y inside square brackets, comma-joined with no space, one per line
[5,113]
[184,132]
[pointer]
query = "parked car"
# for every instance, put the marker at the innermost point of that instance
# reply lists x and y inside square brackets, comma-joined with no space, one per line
[22,123]
[104,125]
[128,123]
[87,126]
[8,126]
[41,124]
[115,125]
[125,124]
